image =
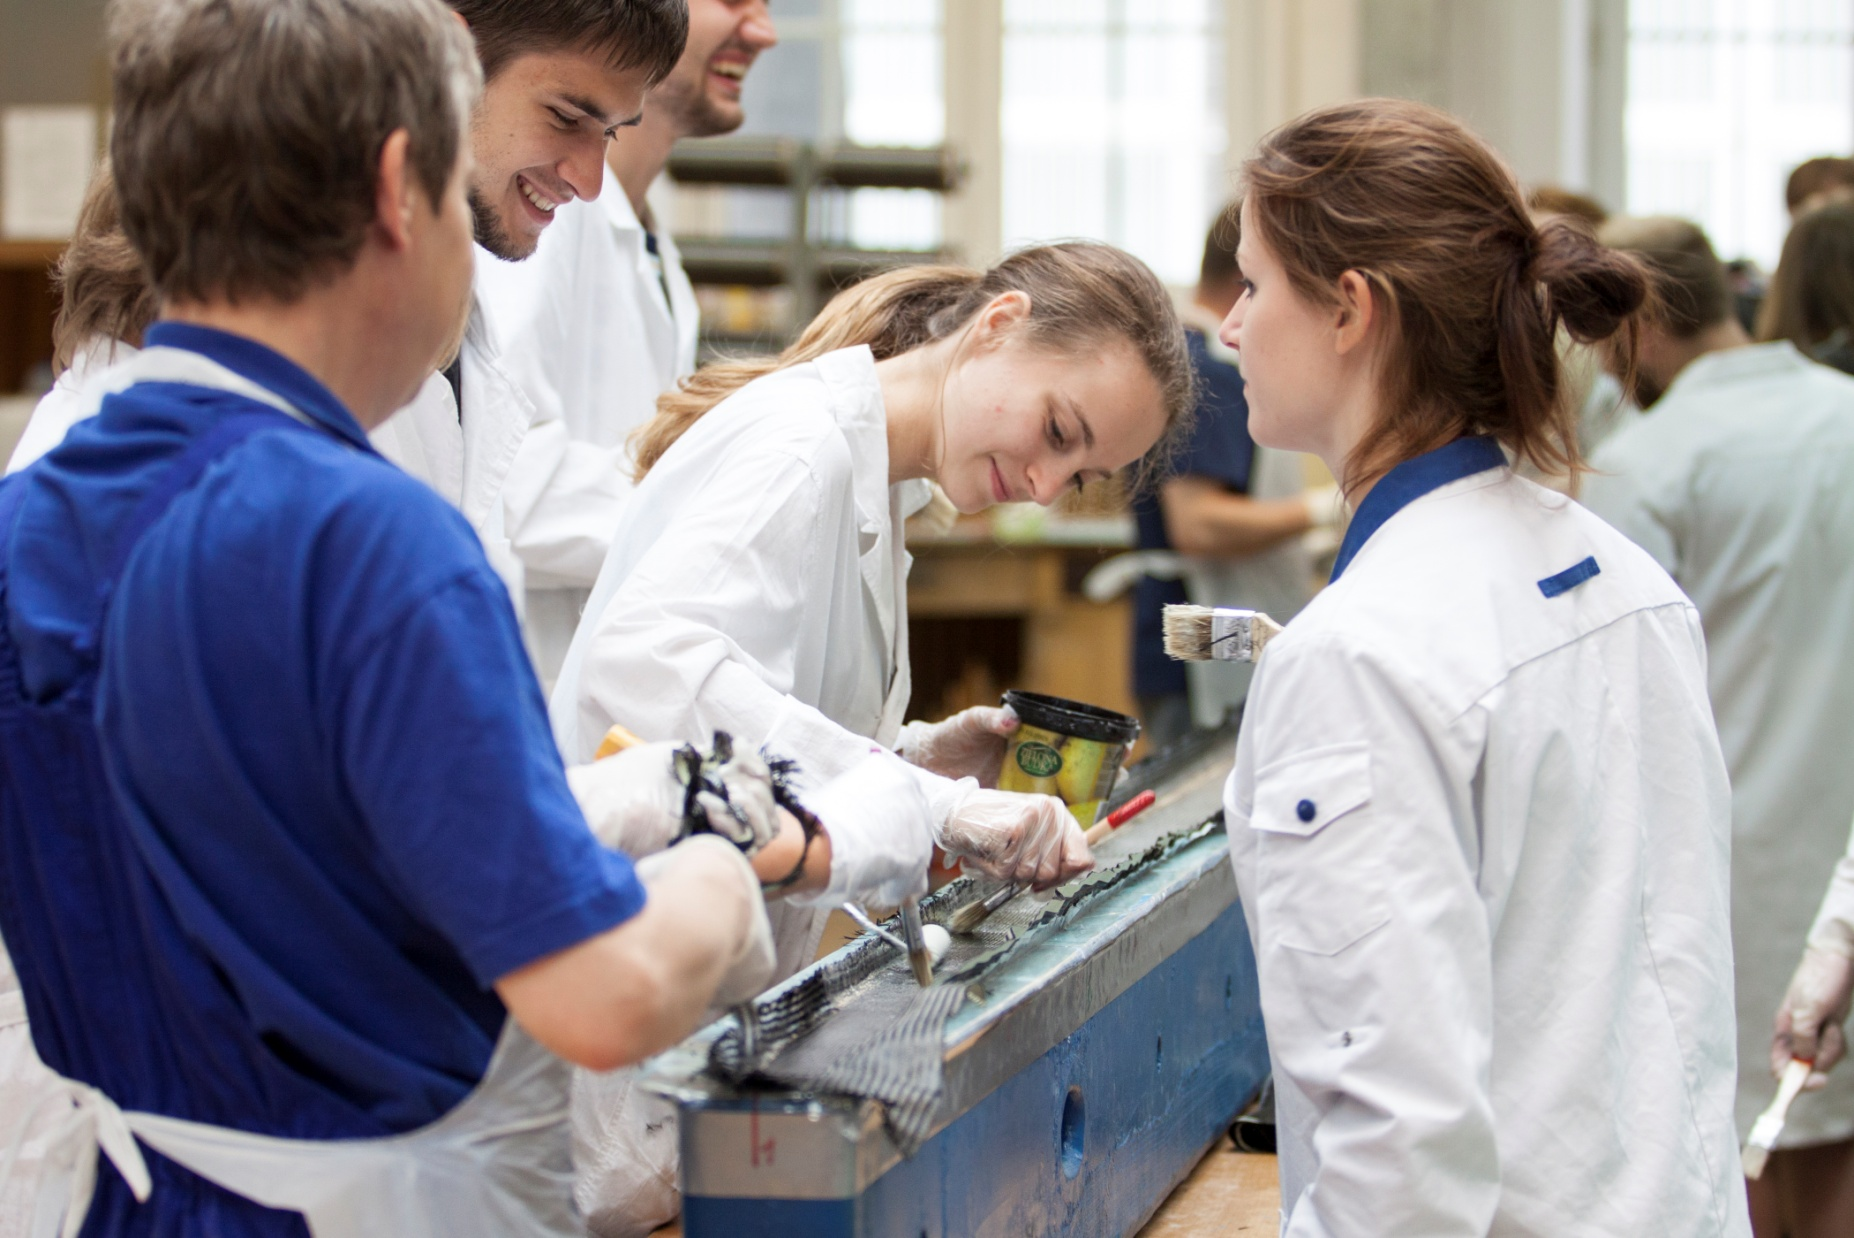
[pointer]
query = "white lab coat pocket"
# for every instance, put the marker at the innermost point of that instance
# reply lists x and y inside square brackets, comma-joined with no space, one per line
[1319,869]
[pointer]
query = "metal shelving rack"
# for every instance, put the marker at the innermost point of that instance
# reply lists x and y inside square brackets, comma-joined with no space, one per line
[810,269]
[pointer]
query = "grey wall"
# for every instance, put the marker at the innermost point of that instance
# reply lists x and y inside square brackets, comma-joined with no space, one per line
[51,51]
[1542,80]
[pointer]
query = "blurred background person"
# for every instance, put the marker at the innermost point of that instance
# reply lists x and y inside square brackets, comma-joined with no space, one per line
[1817,182]
[1739,480]
[1602,405]
[105,304]
[1236,512]
[1811,297]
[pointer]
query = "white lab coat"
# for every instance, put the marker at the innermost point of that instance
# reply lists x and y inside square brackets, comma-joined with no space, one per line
[758,585]
[1482,841]
[543,504]
[1740,481]
[76,395]
[586,328]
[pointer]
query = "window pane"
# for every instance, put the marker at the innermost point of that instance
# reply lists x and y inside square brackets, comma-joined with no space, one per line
[1725,97]
[1113,125]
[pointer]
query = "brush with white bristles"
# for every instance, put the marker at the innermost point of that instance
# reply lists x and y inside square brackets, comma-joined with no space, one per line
[1769,1124]
[1216,634]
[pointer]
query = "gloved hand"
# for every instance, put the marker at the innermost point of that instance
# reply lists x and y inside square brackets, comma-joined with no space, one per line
[970,744]
[748,817]
[632,799]
[1810,1022]
[881,837]
[1016,837]
[750,968]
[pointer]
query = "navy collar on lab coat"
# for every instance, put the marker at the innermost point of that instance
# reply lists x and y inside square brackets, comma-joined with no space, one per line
[267,368]
[1409,482]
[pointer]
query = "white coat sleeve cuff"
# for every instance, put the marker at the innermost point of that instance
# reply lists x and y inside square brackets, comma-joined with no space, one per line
[943,796]
[881,836]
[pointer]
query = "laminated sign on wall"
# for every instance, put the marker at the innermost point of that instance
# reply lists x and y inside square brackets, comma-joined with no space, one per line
[49,153]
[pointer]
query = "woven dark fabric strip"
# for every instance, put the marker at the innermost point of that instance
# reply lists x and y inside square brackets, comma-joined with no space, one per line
[903,1066]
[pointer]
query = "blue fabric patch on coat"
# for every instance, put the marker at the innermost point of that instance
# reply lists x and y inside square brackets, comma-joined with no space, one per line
[1569,578]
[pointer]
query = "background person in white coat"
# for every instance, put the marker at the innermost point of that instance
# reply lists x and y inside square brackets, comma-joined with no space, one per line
[758,585]
[561,77]
[1739,480]
[758,582]
[602,319]
[1479,817]
[104,305]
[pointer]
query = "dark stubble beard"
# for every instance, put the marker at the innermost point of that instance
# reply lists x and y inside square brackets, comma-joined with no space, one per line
[490,233]
[694,113]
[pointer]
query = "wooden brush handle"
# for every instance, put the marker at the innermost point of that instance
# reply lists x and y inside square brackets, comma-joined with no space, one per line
[1120,816]
[616,740]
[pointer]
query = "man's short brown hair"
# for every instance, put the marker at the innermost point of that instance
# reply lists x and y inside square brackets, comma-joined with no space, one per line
[631,34]
[1688,274]
[248,133]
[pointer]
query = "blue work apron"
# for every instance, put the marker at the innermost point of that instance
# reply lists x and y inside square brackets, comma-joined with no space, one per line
[76,886]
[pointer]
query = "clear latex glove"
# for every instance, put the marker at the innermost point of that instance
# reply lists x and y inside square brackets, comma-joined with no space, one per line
[970,744]
[1030,839]
[1811,1022]
[632,799]
[881,834]
[1325,507]
[750,968]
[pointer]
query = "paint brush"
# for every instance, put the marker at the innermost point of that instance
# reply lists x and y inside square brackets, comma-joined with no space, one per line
[1120,816]
[1769,1123]
[1217,634]
[920,957]
[616,740]
[936,937]
[972,915]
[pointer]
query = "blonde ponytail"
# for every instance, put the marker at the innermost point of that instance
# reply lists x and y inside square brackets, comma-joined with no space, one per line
[1081,294]
[891,312]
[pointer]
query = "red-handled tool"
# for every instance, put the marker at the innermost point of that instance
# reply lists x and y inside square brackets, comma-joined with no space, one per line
[1121,815]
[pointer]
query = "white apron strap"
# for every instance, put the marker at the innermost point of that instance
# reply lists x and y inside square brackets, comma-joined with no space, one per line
[499,1164]
[84,1120]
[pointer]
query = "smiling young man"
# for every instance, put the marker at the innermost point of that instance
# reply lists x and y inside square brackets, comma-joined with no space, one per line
[562,76]
[603,319]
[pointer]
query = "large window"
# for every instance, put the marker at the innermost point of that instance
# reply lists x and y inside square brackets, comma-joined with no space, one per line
[1113,125]
[1725,97]
[865,71]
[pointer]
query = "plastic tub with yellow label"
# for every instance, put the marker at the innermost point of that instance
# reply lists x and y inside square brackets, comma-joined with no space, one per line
[1066,749]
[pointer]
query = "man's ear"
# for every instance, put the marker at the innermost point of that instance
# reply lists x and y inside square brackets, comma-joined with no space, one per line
[394,192]
[1357,311]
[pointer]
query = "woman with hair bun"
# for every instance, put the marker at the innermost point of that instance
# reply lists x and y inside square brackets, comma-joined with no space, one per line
[1479,816]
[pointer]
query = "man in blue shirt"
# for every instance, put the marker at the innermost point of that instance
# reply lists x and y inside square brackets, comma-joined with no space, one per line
[284,838]
[1217,508]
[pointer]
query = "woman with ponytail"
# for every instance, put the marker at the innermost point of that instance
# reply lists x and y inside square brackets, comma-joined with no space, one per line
[1479,817]
[758,581]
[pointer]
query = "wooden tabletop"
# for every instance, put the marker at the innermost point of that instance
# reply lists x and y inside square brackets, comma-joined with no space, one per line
[1229,1192]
